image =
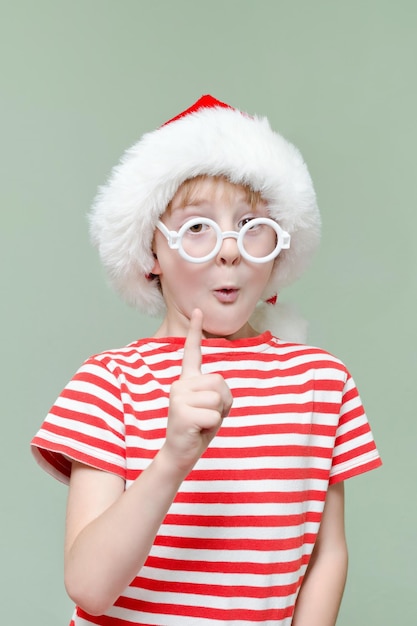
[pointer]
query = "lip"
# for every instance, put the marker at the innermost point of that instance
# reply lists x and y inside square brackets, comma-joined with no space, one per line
[226,295]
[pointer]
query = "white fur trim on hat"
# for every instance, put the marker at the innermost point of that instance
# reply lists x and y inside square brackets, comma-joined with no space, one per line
[282,319]
[212,139]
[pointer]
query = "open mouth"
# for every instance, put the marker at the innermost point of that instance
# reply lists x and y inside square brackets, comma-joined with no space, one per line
[226,294]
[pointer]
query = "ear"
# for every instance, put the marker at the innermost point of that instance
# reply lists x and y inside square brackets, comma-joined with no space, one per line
[156,269]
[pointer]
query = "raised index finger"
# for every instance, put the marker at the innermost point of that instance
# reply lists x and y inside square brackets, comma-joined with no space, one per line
[191,362]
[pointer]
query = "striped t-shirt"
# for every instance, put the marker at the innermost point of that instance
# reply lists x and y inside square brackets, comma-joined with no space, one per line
[237,539]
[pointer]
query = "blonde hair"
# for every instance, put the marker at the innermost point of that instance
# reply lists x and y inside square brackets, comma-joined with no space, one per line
[188,188]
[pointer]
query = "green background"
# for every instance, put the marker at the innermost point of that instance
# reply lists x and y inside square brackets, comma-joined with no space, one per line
[81,80]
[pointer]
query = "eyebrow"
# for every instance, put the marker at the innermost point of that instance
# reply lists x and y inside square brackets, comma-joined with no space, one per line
[197,201]
[189,202]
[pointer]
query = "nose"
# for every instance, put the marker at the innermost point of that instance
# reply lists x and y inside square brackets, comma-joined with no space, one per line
[229,252]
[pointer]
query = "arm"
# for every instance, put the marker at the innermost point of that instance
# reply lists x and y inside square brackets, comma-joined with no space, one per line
[322,589]
[110,530]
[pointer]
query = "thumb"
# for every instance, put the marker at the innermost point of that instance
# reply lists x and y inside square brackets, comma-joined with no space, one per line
[191,362]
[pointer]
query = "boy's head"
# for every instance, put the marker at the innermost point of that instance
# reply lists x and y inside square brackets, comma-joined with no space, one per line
[214,249]
[210,139]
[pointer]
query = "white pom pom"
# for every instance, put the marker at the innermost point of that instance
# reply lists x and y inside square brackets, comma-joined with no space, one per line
[282,319]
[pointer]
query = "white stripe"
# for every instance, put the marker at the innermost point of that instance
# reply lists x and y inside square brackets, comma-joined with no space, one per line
[244,532]
[237,601]
[257,557]
[346,466]
[350,445]
[233,509]
[248,463]
[252,486]
[79,427]
[271,440]
[155,619]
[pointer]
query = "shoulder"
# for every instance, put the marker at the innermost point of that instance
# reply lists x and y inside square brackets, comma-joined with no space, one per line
[137,350]
[136,359]
[311,356]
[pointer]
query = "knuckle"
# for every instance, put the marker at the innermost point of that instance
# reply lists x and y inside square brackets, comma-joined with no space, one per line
[218,380]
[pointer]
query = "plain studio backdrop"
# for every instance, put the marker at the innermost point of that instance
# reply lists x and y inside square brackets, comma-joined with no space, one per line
[81,80]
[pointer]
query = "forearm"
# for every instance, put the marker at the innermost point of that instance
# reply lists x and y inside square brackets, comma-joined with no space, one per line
[321,593]
[109,551]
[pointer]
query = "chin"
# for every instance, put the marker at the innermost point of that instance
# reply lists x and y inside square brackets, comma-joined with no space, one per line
[228,332]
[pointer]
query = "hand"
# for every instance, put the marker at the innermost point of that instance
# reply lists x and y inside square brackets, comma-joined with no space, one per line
[198,403]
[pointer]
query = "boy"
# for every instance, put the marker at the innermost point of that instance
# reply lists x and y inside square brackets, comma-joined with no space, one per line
[206,463]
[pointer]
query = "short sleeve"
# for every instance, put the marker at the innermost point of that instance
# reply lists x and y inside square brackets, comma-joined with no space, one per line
[85,424]
[354,451]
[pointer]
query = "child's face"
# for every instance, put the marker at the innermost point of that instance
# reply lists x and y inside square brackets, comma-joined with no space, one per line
[227,287]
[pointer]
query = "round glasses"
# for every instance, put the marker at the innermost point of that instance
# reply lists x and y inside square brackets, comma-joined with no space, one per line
[199,239]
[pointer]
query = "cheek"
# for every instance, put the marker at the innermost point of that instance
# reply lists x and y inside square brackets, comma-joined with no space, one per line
[176,273]
[259,282]
[262,274]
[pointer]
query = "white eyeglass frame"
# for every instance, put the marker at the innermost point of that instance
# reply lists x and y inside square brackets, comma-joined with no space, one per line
[174,238]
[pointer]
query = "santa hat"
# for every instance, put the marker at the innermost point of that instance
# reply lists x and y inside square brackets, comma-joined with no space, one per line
[210,138]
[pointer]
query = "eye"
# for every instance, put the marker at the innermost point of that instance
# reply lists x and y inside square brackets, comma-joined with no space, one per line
[245,221]
[197,228]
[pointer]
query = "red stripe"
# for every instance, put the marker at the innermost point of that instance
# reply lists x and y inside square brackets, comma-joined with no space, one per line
[295,473]
[252,452]
[269,411]
[356,471]
[223,615]
[242,521]
[95,380]
[268,451]
[350,435]
[263,545]
[350,393]
[221,591]
[228,430]
[89,399]
[71,434]
[354,454]
[355,412]
[250,497]
[279,389]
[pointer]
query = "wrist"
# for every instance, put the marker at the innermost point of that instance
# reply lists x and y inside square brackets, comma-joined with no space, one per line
[170,470]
